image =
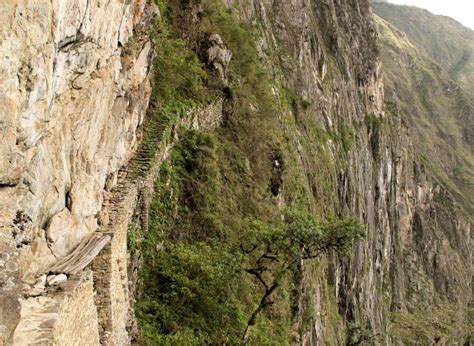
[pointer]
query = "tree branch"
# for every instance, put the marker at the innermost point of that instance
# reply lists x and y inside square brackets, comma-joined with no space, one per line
[263,304]
[257,272]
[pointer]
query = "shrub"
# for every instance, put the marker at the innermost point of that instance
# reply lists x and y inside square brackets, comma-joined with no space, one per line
[132,237]
[189,295]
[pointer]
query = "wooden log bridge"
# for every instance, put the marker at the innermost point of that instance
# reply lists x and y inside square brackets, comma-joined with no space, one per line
[82,256]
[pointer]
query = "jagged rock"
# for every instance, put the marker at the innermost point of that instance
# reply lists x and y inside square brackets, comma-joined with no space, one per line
[65,231]
[216,54]
[35,292]
[41,283]
[38,288]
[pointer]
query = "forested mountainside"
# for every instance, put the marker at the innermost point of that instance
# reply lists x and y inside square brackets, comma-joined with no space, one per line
[230,172]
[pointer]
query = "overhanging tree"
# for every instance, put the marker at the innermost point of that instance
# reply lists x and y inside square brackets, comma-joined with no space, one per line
[272,250]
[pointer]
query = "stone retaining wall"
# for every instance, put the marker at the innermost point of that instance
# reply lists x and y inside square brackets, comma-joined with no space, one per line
[65,317]
[96,306]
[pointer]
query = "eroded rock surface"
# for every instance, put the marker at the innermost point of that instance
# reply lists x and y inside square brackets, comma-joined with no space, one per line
[74,89]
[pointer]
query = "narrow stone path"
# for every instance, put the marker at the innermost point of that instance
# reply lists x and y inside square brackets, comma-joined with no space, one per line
[134,180]
[97,282]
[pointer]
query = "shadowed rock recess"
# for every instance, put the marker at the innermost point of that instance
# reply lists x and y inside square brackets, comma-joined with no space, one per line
[231,172]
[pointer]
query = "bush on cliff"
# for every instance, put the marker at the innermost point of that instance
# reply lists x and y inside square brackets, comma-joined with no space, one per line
[220,256]
[215,278]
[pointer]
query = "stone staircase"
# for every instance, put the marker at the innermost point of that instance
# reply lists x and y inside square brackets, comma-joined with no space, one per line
[97,286]
[136,179]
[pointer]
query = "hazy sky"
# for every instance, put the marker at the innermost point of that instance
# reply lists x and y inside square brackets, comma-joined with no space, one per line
[461,10]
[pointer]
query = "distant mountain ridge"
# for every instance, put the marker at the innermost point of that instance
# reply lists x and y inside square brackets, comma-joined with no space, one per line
[429,73]
[441,38]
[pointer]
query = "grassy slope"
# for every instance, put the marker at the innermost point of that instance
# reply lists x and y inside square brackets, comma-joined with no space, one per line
[217,183]
[438,110]
[441,38]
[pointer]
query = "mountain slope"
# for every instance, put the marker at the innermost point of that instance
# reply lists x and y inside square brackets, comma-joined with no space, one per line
[440,38]
[320,141]
[437,107]
[429,89]
[230,210]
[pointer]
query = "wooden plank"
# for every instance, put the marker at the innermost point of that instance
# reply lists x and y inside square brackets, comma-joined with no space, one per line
[86,246]
[70,257]
[82,256]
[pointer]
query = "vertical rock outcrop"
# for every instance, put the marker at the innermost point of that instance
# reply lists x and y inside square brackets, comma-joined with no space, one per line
[74,89]
[417,248]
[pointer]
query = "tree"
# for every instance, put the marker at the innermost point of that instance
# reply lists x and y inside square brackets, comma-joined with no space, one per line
[273,250]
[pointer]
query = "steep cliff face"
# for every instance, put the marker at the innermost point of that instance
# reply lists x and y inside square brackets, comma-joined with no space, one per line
[435,99]
[432,102]
[328,90]
[258,106]
[329,57]
[439,112]
[74,89]
[325,54]
[415,255]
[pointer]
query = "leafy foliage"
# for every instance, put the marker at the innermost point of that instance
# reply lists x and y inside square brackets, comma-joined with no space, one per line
[213,202]
[179,76]
[276,250]
[301,237]
[190,293]
[178,72]
[359,335]
[132,236]
[198,283]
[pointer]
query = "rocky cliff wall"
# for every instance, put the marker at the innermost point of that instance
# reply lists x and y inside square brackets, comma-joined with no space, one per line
[417,252]
[77,96]
[74,89]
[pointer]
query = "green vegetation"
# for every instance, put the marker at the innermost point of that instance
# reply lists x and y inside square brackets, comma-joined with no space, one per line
[274,250]
[359,335]
[240,212]
[216,283]
[132,238]
[445,323]
[376,126]
[345,136]
[180,77]
[221,255]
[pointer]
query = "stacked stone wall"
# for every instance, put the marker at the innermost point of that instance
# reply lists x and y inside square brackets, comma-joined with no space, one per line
[67,316]
[96,306]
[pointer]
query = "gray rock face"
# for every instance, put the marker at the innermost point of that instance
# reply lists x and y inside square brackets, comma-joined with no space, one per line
[417,246]
[72,99]
[215,53]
